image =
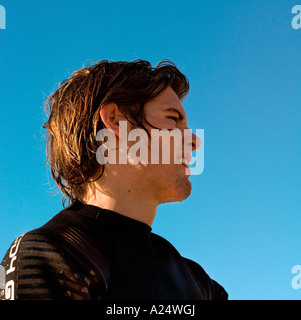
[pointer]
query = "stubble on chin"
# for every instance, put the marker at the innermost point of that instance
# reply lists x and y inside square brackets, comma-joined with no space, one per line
[182,189]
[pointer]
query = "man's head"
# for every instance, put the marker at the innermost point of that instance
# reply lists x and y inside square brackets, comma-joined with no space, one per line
[144,96]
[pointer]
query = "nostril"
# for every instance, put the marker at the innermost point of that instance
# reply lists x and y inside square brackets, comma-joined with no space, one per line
[192,141]
[197,142]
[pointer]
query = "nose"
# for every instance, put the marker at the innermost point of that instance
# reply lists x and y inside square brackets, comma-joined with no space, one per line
[191,140]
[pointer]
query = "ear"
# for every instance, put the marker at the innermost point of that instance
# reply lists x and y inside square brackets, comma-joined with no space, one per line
[110,116]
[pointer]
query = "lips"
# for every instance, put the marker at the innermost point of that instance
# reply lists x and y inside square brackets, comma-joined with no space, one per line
[185,161]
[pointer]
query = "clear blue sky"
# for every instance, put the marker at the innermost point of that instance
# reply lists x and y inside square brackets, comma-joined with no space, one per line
[243,59]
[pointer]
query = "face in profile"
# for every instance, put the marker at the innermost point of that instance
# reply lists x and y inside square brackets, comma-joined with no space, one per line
[169,182]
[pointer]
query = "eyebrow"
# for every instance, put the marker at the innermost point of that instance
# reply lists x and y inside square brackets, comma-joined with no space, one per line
[181,117]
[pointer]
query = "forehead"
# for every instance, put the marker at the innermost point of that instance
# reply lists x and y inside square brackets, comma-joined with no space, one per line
[167,100]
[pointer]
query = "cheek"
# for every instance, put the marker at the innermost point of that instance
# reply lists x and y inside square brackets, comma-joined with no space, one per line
[156,122]
[165,152]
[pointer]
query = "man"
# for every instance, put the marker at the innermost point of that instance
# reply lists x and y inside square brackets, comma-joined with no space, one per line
[101,246]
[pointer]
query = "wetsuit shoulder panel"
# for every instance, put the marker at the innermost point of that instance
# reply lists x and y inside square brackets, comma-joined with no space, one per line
[37,268]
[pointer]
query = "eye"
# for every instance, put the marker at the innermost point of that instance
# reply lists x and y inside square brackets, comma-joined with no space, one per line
[174,118]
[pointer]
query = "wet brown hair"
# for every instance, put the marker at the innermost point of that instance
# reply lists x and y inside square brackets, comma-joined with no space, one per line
[74,117]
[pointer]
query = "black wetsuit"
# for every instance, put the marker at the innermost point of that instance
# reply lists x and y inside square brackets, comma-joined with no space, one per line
[85,253]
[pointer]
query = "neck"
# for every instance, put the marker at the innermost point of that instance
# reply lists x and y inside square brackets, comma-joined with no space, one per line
[119,195]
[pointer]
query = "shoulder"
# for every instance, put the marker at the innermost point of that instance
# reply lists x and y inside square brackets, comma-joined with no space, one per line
[217,291]
[37,268]
[57,260]
[162,244]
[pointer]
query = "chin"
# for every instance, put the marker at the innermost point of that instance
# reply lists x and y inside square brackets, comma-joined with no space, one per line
[182,190]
